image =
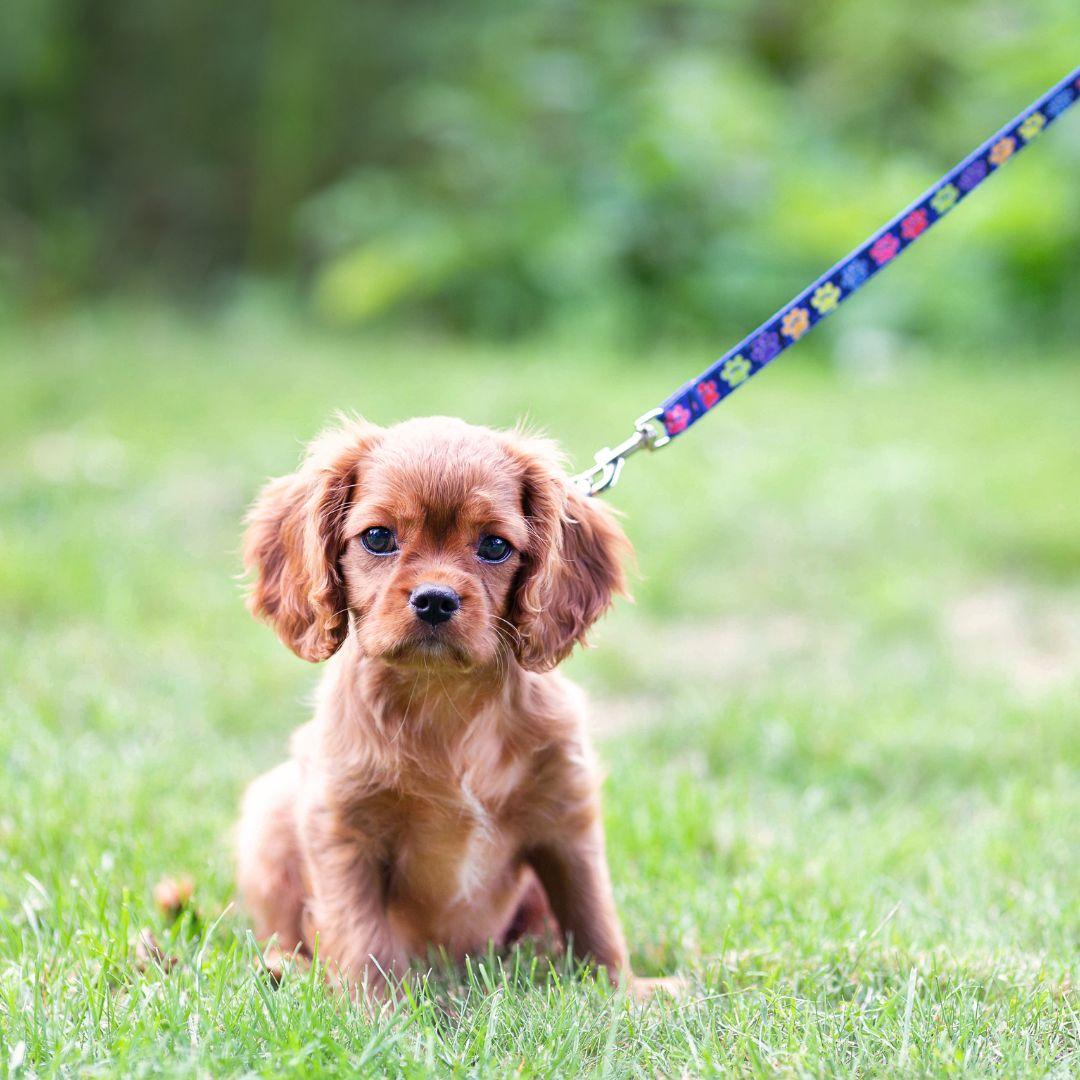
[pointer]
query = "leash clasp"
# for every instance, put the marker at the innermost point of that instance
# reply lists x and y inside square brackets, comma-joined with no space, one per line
[649,434]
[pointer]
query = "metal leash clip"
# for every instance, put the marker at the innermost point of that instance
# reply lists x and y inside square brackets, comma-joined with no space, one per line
[649,434]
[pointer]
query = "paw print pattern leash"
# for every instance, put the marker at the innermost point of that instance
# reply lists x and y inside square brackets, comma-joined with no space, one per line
[693,400]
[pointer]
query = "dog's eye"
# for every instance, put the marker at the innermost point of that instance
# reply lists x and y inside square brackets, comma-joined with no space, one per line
[379,540]
[494,549]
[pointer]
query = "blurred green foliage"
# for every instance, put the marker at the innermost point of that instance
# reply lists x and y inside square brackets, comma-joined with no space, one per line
[619,170]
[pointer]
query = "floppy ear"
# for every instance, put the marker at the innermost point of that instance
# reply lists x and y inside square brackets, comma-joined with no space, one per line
[573,568]
[293,542]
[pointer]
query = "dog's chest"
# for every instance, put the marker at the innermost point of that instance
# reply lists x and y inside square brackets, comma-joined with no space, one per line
[453,840]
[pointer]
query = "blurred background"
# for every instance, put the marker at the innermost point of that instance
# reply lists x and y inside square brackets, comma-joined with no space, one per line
[841,717]
[632,172]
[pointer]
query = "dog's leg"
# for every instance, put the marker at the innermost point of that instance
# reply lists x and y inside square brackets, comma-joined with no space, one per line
[574,873]
[532,916]
[348,909]
[269,868]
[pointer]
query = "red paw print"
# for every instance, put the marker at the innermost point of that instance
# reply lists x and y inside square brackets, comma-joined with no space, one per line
[913,224]
[676,419]
[708,393]
[885,247]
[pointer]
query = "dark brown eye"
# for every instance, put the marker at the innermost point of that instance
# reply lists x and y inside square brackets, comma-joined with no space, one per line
[494,549]
[379,540]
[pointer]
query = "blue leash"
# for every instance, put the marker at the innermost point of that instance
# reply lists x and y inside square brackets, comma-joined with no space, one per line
[796,319]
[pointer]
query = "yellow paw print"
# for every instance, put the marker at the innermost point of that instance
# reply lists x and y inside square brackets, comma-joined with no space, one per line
[1032,126]
[825,298]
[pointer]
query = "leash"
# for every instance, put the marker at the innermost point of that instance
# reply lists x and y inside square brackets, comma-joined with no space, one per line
[692,401]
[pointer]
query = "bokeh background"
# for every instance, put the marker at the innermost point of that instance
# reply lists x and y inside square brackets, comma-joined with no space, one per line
[840,721]
[631,171]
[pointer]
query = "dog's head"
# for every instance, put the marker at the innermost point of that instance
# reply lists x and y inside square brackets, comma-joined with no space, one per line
[437,543]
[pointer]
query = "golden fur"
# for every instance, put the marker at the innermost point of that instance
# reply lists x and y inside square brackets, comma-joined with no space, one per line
[445,793]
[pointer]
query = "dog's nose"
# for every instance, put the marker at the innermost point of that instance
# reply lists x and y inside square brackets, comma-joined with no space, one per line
[434,604]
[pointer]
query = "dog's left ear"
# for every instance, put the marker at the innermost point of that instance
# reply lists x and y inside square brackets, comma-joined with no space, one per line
[294,540]
[573,567]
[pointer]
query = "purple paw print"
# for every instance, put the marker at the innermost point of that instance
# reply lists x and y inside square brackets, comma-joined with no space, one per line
[765,347]
[975,172]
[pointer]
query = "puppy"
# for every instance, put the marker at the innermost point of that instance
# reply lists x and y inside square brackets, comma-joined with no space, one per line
[445,793]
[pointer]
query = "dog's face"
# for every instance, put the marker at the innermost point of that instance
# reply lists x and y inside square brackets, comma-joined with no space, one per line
[433,542]
[439,544]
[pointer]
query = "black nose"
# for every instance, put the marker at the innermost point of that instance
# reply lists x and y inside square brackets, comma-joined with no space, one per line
[434,604]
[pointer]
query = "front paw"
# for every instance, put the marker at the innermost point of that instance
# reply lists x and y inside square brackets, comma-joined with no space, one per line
[370,981]
[675,987]
[276,964]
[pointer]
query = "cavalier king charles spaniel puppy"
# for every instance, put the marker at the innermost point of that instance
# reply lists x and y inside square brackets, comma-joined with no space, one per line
[445,794]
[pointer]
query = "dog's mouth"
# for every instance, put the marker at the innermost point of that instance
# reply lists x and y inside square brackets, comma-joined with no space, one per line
[431,649]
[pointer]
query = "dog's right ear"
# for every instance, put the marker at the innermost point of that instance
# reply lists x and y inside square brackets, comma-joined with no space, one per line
[294,540]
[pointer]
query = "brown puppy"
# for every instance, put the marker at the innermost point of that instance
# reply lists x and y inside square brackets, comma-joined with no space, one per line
[445,793]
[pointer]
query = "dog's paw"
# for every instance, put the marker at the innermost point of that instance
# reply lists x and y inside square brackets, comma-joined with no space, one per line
[277,964]
[669,986]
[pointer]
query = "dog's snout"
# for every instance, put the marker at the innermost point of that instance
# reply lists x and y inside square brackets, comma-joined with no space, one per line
[434,604]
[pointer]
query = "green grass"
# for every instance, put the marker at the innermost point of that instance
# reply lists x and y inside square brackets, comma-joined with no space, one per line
[840,722]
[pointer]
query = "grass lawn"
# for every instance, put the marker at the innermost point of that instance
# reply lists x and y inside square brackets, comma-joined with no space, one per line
[841,721]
